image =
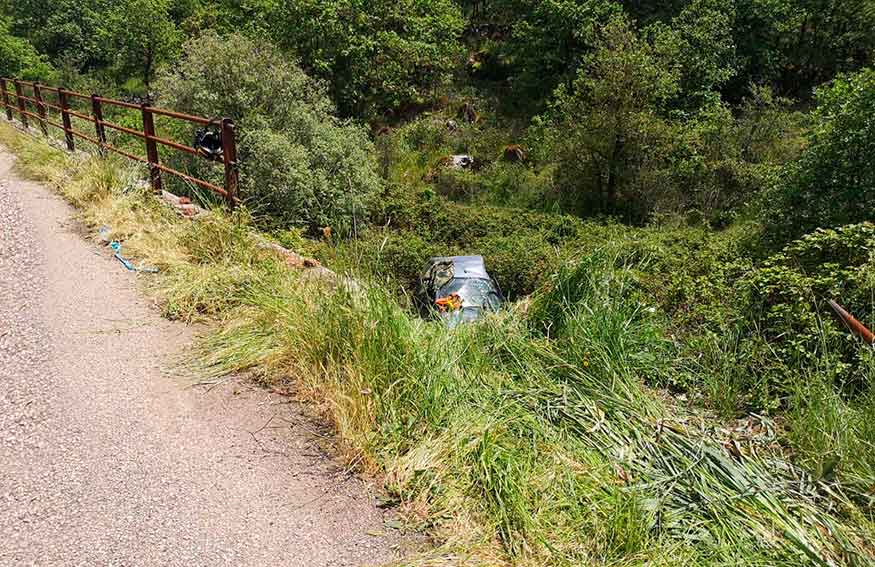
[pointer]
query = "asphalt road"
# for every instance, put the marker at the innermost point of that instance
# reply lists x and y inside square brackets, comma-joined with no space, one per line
[109,458]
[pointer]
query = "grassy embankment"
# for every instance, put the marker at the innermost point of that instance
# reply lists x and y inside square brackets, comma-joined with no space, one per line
[509,444]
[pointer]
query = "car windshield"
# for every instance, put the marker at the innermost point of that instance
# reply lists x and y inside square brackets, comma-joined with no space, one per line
[475,292]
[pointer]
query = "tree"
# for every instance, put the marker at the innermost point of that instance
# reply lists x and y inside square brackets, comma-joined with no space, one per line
[834,36]
[650,11]
[378,55]
[141,35]
[224,16]
[833,183]
[19,59]
[549,40]
[611,120]
[700,41]
[798,44]
[62,30]
[301,165]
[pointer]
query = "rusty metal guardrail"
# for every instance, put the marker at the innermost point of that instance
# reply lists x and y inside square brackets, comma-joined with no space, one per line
[148,134]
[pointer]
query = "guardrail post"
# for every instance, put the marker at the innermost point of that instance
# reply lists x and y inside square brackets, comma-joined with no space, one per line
[97,113]
[6,99]
[229,156]
[40,109]
[65,119]
[151,149]
[21,106]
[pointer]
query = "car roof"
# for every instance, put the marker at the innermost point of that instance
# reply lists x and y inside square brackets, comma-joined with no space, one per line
[463,266]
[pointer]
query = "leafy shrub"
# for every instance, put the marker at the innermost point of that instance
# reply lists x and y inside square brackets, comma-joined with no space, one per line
[748,333]
[300,165]
[436,218]
[716,164]
[517,185]
[457,184]
[790,290]
[425,135]
[519,263]
[380,55]
[833,183]
[500,183]
[19,59]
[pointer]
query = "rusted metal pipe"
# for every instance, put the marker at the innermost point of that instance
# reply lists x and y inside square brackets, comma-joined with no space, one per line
[180,116]
[148,135]
[19,100]
[65,119]
[28,99]
[229,157]
[6,99]
[40,109]
[853,324]
[151,148]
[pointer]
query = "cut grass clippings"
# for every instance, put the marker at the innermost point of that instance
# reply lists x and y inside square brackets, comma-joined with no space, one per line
[508,444]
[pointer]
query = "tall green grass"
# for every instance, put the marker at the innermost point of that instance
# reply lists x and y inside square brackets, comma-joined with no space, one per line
[549,440]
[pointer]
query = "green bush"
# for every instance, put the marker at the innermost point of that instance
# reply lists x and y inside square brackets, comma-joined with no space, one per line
[300,165]
[19,59]
[790,290]
[519,263]
[379,56]
[500,183]
[833,183]
[517,185]
[748,332]
[458,184]
[436,218]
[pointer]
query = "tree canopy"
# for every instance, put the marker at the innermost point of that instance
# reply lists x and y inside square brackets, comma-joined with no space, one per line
[301,165]
[833,182]
[378,55]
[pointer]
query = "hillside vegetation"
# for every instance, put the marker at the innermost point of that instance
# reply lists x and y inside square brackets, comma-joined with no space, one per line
[667,192]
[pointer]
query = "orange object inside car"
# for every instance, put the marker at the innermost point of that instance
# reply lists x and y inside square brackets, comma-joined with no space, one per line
[451,302]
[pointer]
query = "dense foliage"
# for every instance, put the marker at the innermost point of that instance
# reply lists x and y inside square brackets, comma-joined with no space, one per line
[18,58]
[300,164]
[379,56]
[832,182]
[668,193]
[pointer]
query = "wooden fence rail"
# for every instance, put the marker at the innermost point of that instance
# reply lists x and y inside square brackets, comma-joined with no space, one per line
[151,140]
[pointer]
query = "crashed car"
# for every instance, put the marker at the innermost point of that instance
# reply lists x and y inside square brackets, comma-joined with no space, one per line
[457,289]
